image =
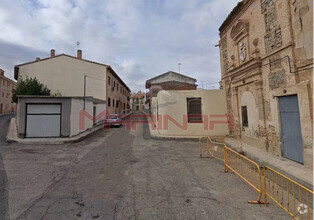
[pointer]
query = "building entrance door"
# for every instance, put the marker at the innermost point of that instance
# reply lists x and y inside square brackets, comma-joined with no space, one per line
[291,128]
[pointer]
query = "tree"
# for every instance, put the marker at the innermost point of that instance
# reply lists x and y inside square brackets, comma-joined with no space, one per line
[29,86]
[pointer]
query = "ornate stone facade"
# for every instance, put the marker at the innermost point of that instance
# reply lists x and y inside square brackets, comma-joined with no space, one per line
[268,47]
[224,54]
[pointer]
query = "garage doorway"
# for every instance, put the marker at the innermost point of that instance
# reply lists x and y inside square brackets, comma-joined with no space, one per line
[43,120]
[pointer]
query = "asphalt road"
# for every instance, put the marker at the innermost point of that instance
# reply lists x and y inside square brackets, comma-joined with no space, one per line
[122,174]
[4,123]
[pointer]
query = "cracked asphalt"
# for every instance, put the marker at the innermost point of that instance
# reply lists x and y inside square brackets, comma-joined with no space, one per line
[121,174]
[4,123]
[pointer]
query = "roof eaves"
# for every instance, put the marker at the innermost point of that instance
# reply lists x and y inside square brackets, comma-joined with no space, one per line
[147,81]
[119,78]
[232,15]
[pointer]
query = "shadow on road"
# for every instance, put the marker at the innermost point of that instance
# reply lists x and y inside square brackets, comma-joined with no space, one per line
[4,124]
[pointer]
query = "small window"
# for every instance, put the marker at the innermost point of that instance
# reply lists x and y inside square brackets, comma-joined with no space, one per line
[117,104]
[245,122]
[109,80]
[194,109]
[109,102]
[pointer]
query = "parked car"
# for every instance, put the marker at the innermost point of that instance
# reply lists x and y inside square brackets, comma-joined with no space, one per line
[113,120]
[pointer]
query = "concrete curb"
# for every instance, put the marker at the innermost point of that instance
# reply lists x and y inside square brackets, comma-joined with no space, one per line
[174,138]
[154,137]
[11,136]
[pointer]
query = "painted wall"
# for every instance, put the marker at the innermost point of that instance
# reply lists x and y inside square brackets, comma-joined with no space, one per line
[70,119]
[6,91]
[173,104]
[66,74]
[137,104]
[76,106]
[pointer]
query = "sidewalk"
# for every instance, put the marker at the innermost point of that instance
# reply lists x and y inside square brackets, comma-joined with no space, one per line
[12,136]
[293,170]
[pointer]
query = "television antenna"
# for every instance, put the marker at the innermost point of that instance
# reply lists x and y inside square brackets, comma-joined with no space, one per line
[179,64]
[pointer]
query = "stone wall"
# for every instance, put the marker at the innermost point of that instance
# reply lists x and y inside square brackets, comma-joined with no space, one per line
[271,38]
[265,4]
[224,54]
[277,79]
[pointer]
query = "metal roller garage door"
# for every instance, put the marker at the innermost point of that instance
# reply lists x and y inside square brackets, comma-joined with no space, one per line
[43,120]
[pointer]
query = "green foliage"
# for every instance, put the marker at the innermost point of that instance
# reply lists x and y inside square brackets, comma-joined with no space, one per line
[57,94]
[29,86]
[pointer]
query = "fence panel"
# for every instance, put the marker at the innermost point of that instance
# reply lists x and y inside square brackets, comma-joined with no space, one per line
[294,198]
[245,168]
[211,147]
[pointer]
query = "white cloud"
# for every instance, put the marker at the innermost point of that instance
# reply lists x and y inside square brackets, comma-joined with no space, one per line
[140,39]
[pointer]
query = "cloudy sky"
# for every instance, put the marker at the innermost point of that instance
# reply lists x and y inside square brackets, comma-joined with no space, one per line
[138,38]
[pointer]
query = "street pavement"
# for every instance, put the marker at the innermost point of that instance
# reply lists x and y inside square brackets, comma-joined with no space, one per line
[124,174]
[4,123]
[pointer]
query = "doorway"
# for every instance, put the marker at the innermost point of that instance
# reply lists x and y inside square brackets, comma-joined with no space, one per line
[291,128]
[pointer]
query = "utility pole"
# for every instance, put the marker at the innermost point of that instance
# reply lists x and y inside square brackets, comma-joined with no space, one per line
[84,91]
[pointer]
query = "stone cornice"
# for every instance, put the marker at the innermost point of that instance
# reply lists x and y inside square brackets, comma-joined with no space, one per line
[250,65]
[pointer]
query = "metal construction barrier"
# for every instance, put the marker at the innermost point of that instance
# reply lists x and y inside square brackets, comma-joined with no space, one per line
[245,168]
[295,199]
[292,197]
[212,148]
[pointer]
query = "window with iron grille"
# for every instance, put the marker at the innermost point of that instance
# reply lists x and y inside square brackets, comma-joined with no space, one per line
[194,109]
[245,121]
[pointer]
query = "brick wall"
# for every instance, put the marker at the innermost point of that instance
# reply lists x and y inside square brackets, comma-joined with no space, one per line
[171,85]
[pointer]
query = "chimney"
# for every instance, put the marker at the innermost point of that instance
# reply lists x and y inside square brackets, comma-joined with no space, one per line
[52,53]
[79,54]
[37,58]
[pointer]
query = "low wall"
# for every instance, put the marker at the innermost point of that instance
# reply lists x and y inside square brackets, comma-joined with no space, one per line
[171,108]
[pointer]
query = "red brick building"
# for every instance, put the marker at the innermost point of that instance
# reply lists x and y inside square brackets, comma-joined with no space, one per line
[7,86]
[169,81]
